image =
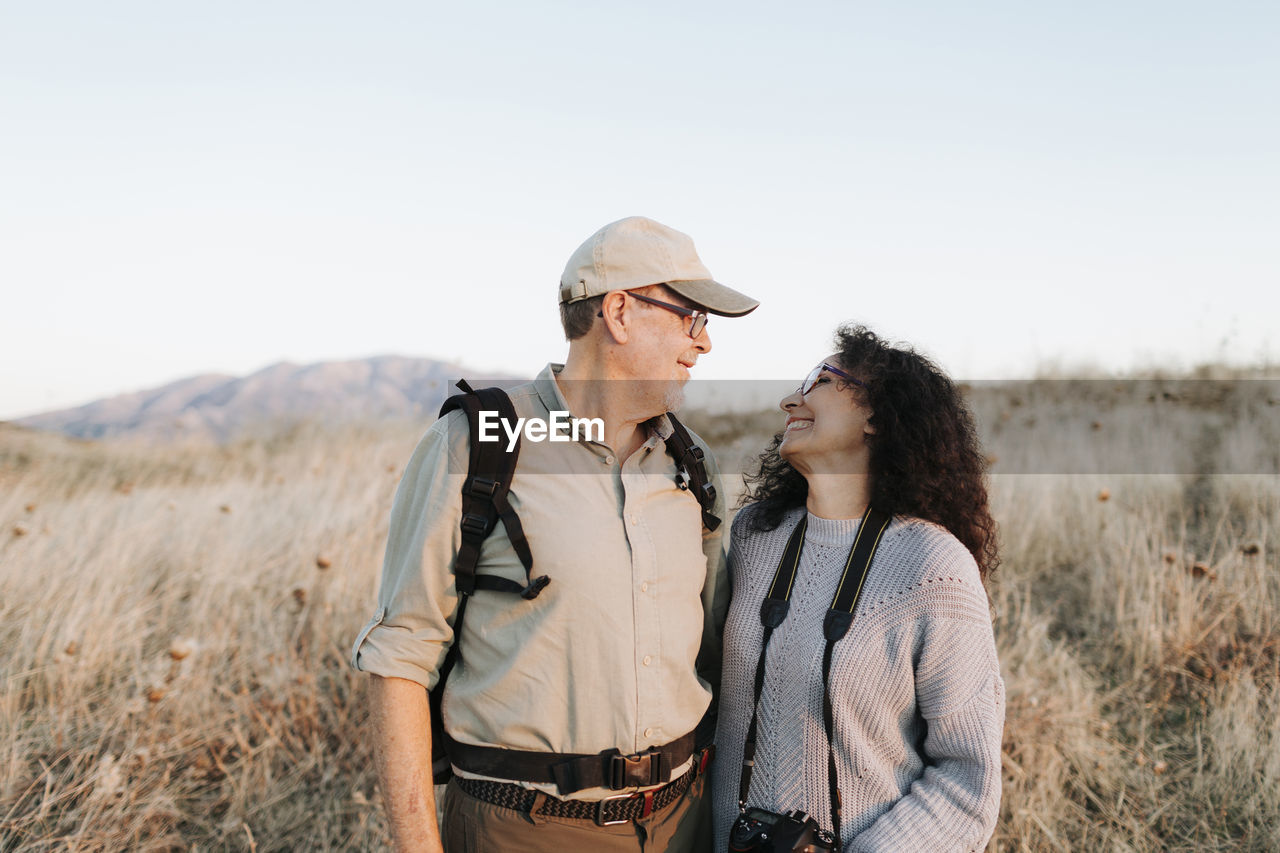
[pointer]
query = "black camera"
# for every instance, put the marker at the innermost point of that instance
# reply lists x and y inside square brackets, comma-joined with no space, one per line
[760,830]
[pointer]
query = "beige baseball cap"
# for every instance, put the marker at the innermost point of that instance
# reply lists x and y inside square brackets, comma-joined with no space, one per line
[635,252]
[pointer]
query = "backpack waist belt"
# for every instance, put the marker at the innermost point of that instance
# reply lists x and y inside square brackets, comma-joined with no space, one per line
[572,772]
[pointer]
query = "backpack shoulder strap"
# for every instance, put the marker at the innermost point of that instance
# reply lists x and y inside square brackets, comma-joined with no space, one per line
[490,469]
[693,470]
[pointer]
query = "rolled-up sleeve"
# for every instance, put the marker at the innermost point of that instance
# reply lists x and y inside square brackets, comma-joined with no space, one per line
[411,629]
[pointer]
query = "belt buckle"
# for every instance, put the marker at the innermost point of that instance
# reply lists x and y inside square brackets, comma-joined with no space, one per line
[599,816]
[636,770]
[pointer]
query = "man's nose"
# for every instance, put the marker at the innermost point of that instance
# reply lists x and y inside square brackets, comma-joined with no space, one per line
[702,343]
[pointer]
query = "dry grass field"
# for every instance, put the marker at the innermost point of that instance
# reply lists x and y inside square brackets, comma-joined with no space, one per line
[175,623]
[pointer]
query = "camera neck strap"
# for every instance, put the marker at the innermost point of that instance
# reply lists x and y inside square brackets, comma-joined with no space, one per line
[773,612]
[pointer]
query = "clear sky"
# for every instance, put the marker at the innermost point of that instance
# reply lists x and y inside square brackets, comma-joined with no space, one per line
[214,187]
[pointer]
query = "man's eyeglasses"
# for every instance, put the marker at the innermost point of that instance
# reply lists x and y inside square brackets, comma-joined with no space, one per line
[812,379]
[698,319]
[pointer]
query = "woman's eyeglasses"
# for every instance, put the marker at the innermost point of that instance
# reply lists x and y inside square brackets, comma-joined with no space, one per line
[697,319]
[816,373]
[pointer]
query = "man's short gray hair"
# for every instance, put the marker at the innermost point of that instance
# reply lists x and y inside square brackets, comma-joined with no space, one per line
[578,317]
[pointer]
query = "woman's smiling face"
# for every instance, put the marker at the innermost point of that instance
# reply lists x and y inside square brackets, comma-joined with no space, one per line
[827,428]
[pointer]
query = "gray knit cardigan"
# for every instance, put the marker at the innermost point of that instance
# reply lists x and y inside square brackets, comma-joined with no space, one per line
[915,685]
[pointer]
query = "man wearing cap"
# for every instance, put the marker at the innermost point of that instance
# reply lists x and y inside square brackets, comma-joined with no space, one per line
[613,664]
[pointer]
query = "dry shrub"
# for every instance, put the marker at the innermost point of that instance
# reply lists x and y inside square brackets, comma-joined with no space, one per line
[1055,747]
[176,676]
[1142,694]
[168,684]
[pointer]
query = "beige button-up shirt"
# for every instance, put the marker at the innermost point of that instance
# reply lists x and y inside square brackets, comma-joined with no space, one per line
[620,650]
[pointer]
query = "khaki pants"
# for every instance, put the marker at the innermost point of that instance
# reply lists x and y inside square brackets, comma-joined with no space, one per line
[474,826]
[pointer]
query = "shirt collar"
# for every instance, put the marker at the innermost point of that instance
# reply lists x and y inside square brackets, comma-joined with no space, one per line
[548,390]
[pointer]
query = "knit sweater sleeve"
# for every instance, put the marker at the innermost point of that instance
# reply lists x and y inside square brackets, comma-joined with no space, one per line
[953,806]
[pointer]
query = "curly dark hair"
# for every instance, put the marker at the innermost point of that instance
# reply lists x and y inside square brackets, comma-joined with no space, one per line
[926,461]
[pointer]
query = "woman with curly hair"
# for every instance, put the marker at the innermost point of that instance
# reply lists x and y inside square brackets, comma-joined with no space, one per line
[876,437]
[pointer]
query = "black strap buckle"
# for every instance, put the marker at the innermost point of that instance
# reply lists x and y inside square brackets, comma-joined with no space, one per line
[636,770]
[535,587]
[475,525]
[482,487]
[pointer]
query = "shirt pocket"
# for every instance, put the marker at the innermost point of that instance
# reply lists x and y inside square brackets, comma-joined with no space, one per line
[364,634]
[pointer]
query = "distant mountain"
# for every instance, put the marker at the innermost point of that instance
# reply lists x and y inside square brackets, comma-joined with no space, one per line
[219,407]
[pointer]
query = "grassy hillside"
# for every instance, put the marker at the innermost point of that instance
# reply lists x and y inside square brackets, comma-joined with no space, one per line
[176,622]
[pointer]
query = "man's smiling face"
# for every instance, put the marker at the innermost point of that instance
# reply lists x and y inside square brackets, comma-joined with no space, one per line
[661,353]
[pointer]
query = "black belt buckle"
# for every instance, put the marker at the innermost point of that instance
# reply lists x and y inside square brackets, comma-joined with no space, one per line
[634,771]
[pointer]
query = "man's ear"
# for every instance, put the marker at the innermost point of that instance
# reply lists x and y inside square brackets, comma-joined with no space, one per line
[614,311]
[869,428]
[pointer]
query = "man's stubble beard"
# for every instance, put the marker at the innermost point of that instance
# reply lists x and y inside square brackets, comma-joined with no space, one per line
[673,399]
[655,396]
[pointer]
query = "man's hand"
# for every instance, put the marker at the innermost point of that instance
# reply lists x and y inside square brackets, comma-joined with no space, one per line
[402,744]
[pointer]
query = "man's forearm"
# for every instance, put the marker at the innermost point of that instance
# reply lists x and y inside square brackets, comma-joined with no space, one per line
[402,745]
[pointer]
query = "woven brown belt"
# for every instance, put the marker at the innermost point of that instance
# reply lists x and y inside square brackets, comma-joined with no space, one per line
[610,810]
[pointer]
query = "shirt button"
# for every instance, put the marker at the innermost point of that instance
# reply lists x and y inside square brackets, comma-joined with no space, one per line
[644,587]
[634,519]
[648,732]
[647,660]
[609,460]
